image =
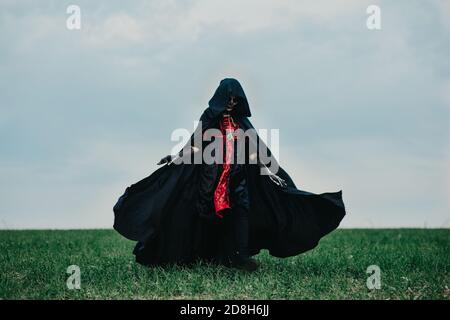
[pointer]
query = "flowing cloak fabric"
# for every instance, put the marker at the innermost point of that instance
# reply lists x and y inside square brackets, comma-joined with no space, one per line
[170,214]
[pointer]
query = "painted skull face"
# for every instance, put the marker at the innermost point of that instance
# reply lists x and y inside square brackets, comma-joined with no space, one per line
[232,103]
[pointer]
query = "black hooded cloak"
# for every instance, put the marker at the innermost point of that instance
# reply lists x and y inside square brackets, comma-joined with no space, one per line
[170,216]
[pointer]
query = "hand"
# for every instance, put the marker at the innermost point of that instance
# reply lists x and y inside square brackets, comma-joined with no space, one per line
[279,181]
[164,160]
[276,179]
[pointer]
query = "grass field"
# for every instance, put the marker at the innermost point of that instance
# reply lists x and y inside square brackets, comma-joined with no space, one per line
[414,264]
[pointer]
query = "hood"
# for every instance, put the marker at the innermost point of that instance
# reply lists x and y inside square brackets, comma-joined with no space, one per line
[229,87]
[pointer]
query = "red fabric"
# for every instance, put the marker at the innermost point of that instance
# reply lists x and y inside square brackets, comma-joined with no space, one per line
[221,194]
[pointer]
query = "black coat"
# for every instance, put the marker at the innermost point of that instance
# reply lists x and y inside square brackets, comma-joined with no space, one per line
[165,212]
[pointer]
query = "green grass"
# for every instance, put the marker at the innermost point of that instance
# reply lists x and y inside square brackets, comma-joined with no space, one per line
[414,265]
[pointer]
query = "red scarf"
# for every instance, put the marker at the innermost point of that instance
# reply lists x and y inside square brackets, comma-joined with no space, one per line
[221,194]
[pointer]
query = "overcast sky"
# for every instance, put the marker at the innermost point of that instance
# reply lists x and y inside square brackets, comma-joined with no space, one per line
[85,113]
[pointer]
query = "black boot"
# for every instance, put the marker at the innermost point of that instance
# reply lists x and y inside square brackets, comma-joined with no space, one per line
[241,258]
[245,263]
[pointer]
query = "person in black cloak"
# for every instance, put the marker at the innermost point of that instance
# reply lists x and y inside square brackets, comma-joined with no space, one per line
[226,211]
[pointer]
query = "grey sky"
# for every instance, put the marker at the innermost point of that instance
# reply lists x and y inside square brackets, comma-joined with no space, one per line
[84,113]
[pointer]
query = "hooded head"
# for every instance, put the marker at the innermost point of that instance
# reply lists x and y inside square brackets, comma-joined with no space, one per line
[229,87]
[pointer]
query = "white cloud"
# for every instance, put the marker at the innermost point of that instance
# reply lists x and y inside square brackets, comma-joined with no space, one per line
[171,22]
[116,29]
[255,15]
